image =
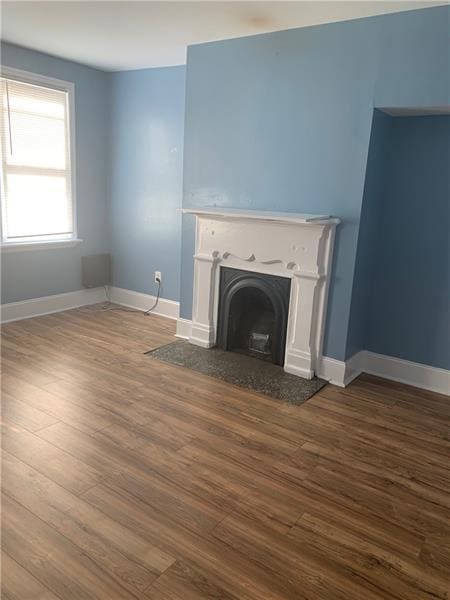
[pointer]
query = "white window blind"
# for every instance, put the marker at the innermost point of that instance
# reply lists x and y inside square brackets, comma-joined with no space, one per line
[36,170]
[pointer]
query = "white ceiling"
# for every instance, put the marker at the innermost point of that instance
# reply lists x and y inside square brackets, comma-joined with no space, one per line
[121,35]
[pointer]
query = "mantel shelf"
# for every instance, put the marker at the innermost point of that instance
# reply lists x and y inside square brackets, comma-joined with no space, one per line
[261,215]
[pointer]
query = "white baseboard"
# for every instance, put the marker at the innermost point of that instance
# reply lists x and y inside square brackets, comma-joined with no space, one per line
[341,373]
[332,370]
[139,301]
[405,371]
[184,329]
[25,309]
[397,369]
[354,366]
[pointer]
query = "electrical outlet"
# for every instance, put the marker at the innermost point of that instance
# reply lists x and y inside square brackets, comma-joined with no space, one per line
[158,278]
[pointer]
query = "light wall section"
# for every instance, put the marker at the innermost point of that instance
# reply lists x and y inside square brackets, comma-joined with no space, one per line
[38,273]
[282,121]
[369,233]
[147,130]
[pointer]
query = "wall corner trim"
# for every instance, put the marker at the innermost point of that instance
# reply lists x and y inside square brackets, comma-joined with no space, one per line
[140,301]
[184,329]
[389,367]
[341,373]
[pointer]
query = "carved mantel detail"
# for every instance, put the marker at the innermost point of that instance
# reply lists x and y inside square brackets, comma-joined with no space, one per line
[289,245]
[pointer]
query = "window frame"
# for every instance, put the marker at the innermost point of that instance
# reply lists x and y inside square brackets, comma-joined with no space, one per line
[69,88]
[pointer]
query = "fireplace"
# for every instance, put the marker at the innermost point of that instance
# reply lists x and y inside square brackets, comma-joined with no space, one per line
[253,313]
[277,263]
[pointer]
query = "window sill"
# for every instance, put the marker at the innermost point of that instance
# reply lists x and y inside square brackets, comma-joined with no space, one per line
[42,245]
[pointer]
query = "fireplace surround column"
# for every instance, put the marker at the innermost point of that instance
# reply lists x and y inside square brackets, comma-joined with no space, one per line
[203,329]
[300,349]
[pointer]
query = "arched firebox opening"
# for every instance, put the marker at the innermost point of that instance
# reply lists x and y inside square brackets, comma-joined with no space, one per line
[253,312]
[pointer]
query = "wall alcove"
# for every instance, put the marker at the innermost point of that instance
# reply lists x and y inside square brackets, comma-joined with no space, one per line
[400,304]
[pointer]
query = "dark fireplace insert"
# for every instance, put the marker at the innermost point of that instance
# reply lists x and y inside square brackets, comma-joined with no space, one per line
[253,313]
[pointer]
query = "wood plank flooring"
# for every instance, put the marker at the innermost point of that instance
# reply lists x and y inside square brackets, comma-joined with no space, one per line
[125,477]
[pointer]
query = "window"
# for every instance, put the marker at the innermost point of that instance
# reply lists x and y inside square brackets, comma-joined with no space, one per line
[37,193]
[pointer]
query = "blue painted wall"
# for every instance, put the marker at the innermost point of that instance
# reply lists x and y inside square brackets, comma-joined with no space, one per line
[45,272]
[409,310]
[282,121]
[129,156]
[369,232]
[147,128]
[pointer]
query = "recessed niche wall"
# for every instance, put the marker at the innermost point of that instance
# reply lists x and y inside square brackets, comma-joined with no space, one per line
[400,300]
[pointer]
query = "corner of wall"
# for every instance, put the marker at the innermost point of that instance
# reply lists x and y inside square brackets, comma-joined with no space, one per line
[370,218]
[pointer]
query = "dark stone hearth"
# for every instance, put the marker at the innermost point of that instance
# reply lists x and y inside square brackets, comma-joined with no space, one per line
[244,371]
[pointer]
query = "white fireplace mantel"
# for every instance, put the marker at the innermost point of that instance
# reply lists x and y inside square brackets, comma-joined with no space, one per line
[260,215]
[297,246]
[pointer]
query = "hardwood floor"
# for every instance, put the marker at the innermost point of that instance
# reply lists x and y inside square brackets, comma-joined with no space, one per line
[125,477]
